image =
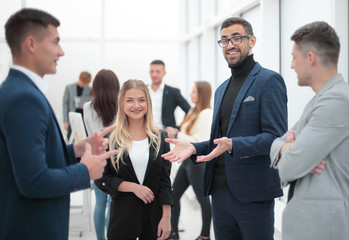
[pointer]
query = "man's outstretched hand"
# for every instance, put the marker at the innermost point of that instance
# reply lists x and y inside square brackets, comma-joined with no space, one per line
[223,144]
[183,150]
[180,152]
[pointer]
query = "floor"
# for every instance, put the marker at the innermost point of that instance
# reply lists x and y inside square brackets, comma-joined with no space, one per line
[190,216]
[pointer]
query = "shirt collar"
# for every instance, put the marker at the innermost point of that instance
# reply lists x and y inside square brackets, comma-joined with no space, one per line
[160,89]
[38,81]
[162,86]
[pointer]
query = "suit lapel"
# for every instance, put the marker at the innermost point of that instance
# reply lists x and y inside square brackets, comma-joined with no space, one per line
[217,108]
[150,161]
[51,110]
[64,144]
[242,93]
[164,97]
[129,165]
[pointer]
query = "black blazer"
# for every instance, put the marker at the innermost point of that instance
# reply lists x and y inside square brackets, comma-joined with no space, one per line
[172,98]
[126,208]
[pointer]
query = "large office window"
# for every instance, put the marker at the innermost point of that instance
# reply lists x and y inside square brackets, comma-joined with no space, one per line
[253,15]
[222,70]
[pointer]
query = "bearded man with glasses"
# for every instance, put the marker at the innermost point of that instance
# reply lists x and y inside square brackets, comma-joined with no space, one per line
[250,111]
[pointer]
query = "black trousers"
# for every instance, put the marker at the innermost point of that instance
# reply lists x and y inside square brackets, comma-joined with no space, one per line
[190,174]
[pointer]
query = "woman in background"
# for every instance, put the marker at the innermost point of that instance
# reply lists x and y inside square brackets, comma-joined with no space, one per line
[98,114]
[195,127]
[138,179]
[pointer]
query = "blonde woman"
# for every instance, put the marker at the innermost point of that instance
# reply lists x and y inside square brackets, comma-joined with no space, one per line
[138,178]
[194,128]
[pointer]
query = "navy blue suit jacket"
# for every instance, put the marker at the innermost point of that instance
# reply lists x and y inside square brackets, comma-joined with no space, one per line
[259,116]
[37,170]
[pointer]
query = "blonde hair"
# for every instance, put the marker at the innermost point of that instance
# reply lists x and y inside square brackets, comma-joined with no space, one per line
[121,138]
[204,99]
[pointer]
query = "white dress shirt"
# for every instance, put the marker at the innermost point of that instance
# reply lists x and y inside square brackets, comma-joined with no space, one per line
[156,99]
[39,81]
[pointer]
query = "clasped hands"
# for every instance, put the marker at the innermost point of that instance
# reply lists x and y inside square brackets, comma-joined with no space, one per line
[184,150]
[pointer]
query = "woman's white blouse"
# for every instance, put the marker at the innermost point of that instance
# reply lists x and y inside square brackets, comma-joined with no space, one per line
[201,129]
[139,155]
[93,122]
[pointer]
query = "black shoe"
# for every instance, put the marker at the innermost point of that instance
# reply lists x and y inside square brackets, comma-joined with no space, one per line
[173,236]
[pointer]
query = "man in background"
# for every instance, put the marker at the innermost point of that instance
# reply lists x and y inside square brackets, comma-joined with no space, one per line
[74,98]
[318,204]
[165,99]
[37,170]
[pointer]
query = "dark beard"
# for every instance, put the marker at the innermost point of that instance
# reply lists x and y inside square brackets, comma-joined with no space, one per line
[238,63]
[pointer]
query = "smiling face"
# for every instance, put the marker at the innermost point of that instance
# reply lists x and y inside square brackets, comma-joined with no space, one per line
[135,104]
[47,52]
[235,54]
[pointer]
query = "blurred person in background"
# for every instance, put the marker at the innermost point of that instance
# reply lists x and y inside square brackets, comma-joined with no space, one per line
[99,114]
[194,128]
[165,98]
[74,98]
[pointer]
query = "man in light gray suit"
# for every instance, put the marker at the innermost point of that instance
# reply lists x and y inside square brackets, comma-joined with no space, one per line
[318,206]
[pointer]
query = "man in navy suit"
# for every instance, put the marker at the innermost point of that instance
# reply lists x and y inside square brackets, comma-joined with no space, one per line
[250,111]
[165,99]
[37,170]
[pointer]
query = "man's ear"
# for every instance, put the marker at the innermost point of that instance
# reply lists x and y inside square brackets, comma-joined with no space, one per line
[311,57]
[253,41]
[29,44]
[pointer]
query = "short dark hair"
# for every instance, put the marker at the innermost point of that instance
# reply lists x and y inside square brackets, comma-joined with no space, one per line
[158,62]
[27,21]
[236,20]
[321,38]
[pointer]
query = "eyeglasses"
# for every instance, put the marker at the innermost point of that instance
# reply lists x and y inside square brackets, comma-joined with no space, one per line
[234,40]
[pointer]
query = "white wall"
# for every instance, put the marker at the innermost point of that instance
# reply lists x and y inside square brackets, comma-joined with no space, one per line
[124,36]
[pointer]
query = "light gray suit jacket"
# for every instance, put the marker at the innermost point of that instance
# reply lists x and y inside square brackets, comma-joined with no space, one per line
[319,208]
[68,99]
